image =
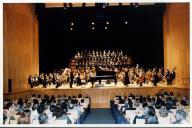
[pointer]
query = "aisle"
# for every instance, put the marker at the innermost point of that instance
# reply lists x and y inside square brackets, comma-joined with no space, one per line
[100,116]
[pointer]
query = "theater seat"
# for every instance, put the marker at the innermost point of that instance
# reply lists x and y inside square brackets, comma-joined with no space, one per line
[64,121]
[35,122]
[140,121]
[129,115]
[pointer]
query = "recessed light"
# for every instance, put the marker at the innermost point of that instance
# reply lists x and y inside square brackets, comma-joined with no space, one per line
[72,23]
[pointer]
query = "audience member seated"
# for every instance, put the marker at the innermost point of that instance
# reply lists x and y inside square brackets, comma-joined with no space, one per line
[165,117]
[43,118]
[24,118]
[181,117]
[139,116]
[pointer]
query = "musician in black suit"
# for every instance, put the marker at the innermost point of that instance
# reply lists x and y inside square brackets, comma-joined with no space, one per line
[71,79]
[31,81]
[78,80]
[126,81]
[155,79]
[170,76]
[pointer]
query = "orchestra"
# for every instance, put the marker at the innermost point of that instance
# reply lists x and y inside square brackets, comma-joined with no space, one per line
[88,63]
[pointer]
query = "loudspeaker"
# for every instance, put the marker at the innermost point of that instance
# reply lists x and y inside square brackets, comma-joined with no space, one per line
[9,85]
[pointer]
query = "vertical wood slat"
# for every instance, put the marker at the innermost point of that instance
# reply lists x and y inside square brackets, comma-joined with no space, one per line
[176,40]
[20,36]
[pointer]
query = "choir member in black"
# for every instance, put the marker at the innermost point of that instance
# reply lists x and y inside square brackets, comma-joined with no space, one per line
[71,79]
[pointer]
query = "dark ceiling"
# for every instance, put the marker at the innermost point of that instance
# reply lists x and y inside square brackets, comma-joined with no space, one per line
[136,30]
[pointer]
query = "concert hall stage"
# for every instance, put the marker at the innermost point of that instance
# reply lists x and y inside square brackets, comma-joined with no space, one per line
[101,96]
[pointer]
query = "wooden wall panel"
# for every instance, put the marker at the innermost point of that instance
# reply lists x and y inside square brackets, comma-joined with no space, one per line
[100,98]
[20,36]
[176,41]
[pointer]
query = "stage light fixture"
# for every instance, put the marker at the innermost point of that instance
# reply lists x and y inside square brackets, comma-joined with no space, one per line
[72,23]
[92,23]
[93,28]
[126,22]
[106,28]
[71,29]
[107,22]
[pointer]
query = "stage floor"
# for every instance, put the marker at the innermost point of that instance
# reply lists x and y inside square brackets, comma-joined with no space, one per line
[103,85]
[101,95]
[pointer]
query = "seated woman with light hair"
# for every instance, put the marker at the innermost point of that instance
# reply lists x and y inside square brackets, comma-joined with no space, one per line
[164,117]
[181,117]
[25,117]
[137,102]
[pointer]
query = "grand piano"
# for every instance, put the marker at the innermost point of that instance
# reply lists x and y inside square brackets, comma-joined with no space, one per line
[103,75]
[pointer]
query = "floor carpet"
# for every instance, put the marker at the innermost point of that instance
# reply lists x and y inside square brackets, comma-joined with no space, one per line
[100,116]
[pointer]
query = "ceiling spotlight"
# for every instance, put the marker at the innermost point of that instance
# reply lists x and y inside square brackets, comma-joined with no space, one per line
[72,23]
[107,22]
[93,28]
[105,28]
[126,22]
[71,29]
[92,23]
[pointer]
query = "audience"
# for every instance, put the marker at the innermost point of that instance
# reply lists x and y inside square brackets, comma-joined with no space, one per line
[46,110]
[160,109]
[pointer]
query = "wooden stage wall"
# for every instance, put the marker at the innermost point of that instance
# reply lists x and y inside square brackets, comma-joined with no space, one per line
[100,97]
[176,41]
[20,45]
